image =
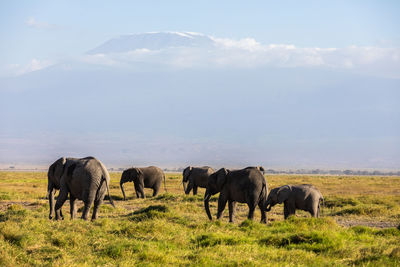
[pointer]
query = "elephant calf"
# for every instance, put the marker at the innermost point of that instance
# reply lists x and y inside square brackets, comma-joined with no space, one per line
[149,177]
[243,186]
[304,197]
[195,177]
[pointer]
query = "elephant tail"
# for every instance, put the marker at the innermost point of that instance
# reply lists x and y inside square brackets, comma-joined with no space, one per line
[165,187]
[321,200]
[108,192]
[262,195]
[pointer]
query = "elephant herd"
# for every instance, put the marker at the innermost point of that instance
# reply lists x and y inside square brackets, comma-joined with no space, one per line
[87,179]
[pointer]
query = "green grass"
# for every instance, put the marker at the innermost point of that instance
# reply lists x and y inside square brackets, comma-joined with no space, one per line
[173,229]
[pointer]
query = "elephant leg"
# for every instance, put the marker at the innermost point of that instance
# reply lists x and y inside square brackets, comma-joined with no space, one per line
[221,205]
[285,211]
[291,209]
[194,190]
[72,208]
[263,213]
[97,204]
[232,209]
[251,212]
[88,199]
[62,197]
[51,202]
[156,189]
[136,190]
[251,203]
[139,187]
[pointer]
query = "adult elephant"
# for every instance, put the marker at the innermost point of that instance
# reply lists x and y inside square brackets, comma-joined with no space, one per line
[148,177]
[195,177]
[304,197]
[85,179]
[243,186]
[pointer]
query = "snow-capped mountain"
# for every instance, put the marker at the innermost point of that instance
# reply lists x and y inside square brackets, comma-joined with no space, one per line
[153,41]
[178,98]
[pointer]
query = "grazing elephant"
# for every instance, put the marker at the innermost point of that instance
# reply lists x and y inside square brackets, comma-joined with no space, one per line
[195,177]
[243,186]
[85,179]
[148,177]
[304,197]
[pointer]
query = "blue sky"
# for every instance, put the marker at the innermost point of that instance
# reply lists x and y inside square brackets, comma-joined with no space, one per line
[60,29]
[284,84]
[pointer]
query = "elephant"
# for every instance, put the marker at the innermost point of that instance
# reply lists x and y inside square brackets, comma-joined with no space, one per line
[148,177]
[243,186]
[195,177]
[304,197]
[85,179]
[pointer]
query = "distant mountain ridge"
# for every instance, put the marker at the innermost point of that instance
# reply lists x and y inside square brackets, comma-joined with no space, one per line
[153,41]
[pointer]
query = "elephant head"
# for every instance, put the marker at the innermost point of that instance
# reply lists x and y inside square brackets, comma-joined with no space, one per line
[56,170]
[277,195]
[215,184]
[186,173]
[129,175]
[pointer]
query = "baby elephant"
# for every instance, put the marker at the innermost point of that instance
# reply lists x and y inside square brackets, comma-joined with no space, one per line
[304,197]
[148,177]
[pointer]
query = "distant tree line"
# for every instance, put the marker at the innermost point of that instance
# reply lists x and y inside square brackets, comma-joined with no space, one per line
[318,171]
[303,171]
[334,172]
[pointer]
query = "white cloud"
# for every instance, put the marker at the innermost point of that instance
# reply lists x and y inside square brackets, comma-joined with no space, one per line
[244,53]
[19,69]
[32,22]
[248,53]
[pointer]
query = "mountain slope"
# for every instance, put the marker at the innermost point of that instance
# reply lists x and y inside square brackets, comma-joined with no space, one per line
[152,41]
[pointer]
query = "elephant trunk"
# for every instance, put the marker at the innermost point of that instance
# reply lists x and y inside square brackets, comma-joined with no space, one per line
[184,187]
[121,184]
[268,203]
[207,197]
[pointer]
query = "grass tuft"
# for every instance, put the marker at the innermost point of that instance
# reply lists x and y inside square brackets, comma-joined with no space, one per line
[361,210]
[150,212]
[166,197]
[212,239]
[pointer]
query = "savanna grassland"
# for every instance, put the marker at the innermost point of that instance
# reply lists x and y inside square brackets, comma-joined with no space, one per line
[359,226]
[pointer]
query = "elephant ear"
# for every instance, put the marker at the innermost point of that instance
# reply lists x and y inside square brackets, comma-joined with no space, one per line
[59,167]
[186,173]
[221,178]
[283,193]
[139,172]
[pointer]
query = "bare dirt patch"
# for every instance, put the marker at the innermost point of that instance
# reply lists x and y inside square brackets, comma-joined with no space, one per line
[4,205]
[363,222]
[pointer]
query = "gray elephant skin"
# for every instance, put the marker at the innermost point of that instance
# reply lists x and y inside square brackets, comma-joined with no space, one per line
[304,197]
[195,177]
[260,168]
[243,186]
[84,179]
[148,177]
